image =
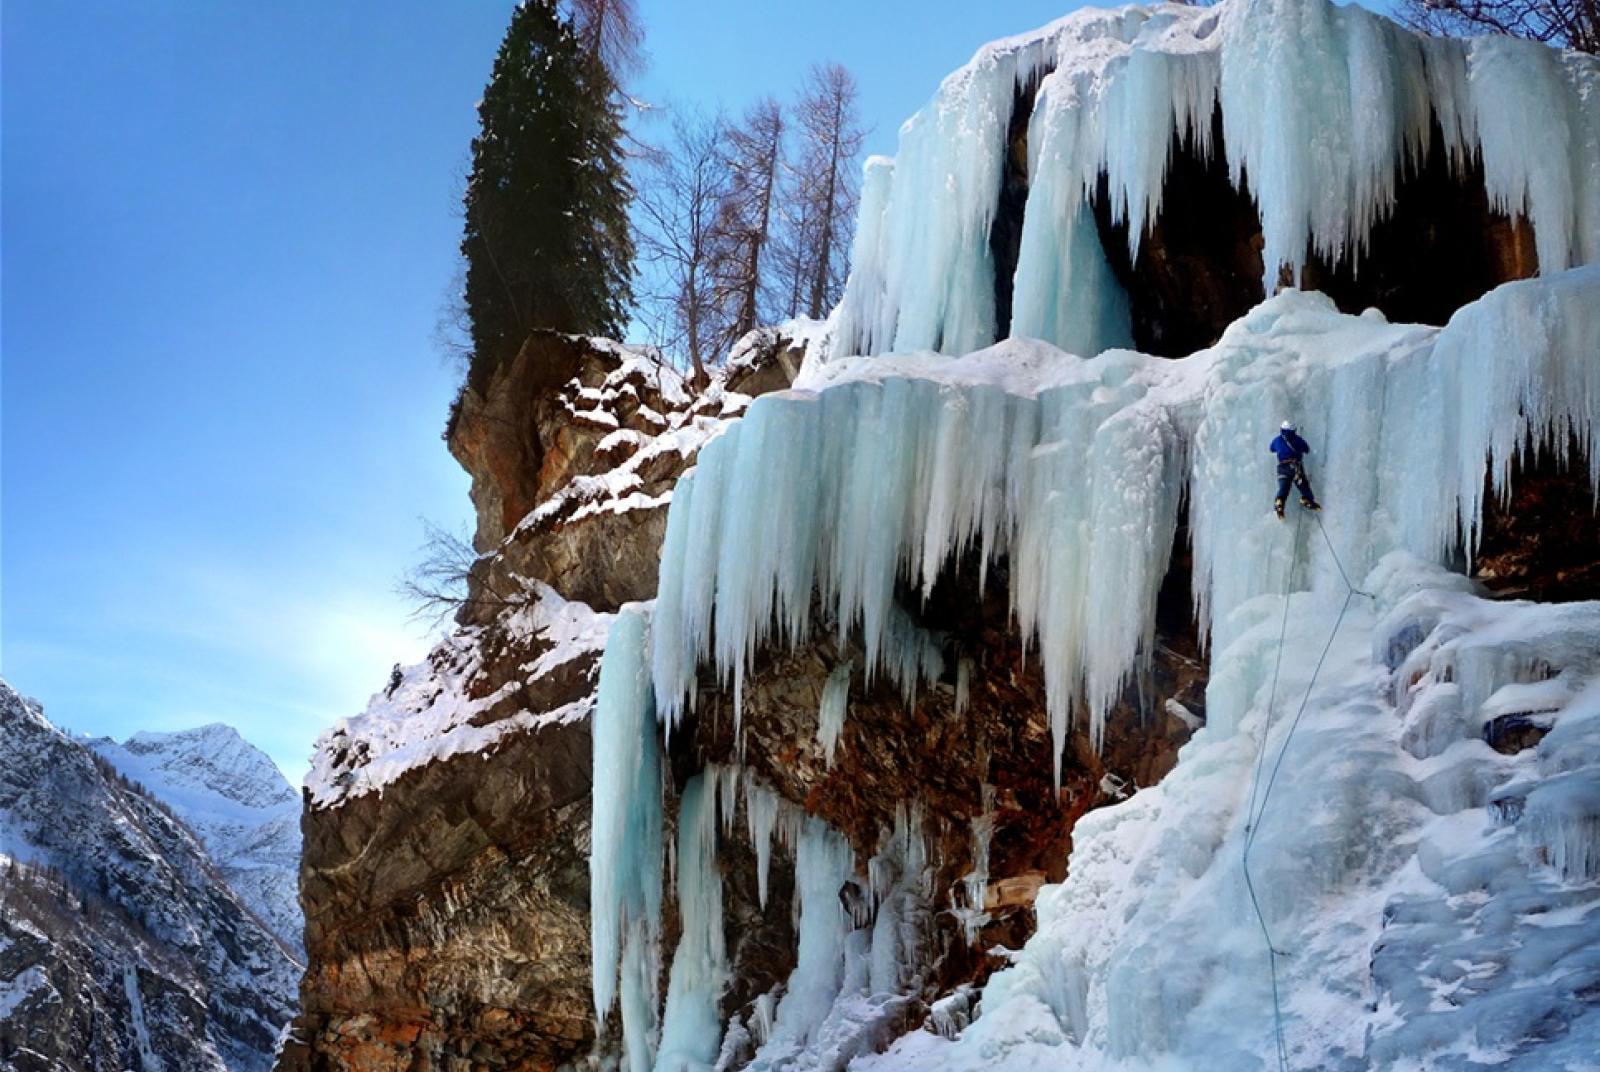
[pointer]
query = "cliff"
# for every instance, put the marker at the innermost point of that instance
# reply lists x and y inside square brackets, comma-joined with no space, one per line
[964,644]
[445,875]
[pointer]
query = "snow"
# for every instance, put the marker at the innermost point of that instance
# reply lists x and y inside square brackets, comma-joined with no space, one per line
[571,630]
[16,990]
[1323,109]
[617,490]
[431,715]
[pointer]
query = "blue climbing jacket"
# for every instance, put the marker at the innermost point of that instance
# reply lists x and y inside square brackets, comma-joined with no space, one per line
[1289,447]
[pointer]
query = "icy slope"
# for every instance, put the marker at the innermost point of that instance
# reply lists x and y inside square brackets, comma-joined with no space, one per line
[1324,108]
[236,801]
[1436,903]
[1074,472]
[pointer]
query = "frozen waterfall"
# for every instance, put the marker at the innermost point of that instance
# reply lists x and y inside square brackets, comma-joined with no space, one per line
[1441,896]
[1324,109]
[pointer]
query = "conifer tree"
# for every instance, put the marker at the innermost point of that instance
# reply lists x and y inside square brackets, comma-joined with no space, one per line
[546,240]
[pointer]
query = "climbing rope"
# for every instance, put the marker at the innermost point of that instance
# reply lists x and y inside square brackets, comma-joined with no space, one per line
[1253,815]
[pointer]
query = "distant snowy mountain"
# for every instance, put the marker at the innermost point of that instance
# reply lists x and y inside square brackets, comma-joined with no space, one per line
[236,801]
[121,945]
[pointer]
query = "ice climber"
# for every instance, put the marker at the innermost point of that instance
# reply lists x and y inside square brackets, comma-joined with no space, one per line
[1291,451]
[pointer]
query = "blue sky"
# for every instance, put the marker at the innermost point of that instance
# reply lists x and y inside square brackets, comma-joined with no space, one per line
[226,232]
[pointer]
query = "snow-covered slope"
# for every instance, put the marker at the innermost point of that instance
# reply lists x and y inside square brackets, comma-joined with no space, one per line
[120,944]
[236,801]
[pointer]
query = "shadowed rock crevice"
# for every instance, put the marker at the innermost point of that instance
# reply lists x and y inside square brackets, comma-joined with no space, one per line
[1199,268]
[1005,232]
[1441,247]
[1543,542]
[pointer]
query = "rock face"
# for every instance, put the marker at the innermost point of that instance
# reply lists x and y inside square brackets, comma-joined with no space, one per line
[956,755]
[237,802]
[120,944]
[445,875]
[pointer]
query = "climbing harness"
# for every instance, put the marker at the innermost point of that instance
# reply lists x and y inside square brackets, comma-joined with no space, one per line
[1253,815]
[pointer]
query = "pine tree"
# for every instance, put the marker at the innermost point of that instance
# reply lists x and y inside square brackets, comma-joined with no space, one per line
[546,241]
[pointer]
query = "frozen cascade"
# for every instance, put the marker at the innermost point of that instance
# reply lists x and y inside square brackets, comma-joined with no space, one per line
[865,480]
[823,862]
[1323,109]
[691,1027]
[831,712]
[1075,470]
[977,880]
[625,856]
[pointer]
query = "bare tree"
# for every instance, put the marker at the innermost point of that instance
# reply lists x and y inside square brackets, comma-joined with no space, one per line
[755,157]
[611,29]
[791,246]
[682,192]
[443,582]
[822,190]
[1573,23]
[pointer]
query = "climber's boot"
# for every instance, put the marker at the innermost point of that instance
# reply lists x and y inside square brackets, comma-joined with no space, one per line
[1277,506]
[1309,504]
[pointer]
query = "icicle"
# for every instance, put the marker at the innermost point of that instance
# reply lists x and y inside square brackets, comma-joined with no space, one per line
[830,716]
[822,864]
[692,1027]
[728,779]
[625,857]
[963,684]
[977,880]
